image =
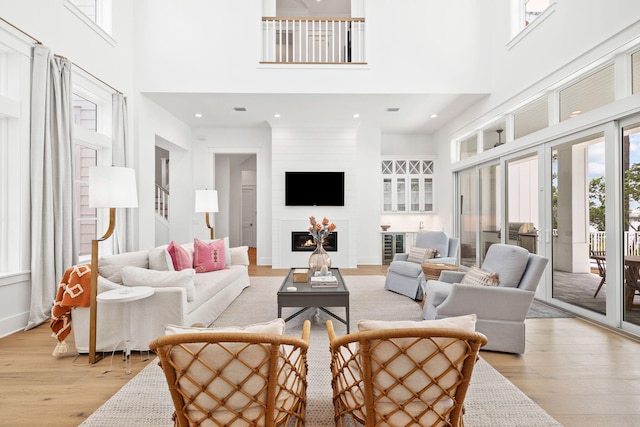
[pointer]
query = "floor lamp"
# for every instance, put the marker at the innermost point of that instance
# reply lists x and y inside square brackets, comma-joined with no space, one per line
[109,187]
[207,201]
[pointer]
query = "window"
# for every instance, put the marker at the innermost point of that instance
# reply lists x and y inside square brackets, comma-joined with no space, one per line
[92,147]
[533,9]
[494,136]
[87,218]
[469,147]
[95,13]
[530,118]
[527,14]
[635,72]
[14,156]
[588,93]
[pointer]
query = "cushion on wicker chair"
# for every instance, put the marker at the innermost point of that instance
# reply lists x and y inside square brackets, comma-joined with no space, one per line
[231,370]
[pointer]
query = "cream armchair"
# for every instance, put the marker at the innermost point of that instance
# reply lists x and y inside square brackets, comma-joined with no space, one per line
[501,309]
[404,277]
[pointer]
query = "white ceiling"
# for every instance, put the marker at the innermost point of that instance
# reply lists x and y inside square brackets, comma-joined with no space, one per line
[324,110]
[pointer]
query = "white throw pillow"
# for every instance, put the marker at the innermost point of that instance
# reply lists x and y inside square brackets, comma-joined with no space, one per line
[160,260]
[135,276]
[275,326]
[110,267]
[467,323]
[239,255]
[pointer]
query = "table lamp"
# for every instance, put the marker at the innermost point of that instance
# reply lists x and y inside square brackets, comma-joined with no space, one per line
[207,201]
[109,187]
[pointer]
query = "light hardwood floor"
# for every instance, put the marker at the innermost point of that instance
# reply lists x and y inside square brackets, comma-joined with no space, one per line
[580,373]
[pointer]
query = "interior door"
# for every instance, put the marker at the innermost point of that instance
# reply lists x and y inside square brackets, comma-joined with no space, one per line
[249,216]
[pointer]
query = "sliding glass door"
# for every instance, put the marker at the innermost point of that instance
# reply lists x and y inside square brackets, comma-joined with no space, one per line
[630,141]
[579,249]
[522,227]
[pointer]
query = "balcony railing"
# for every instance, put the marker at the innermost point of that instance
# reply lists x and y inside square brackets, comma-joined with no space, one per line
[313,41]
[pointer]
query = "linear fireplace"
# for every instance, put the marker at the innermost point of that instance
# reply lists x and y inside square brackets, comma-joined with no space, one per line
[301,241]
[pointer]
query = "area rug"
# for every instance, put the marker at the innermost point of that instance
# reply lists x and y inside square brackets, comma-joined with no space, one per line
[492,400]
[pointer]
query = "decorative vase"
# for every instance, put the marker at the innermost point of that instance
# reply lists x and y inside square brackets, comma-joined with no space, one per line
[319,258]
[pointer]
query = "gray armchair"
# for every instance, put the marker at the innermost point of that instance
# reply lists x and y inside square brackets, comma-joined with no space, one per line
[501,309]
[405,277]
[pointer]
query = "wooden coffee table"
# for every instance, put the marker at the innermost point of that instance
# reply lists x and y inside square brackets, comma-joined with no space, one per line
[314,297]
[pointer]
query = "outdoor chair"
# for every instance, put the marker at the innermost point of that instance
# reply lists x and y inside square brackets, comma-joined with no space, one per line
[401,377]
[236,378]
[601,263]
[501,308]
[405,274]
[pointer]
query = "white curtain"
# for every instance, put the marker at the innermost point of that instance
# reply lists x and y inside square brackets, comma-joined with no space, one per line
[123,235]
[53,225]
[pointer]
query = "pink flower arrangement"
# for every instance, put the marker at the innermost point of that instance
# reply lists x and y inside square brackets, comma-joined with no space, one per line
[320,230]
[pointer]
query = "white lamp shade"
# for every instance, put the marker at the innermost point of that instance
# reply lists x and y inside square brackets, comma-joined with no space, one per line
[112,187]
[206,201]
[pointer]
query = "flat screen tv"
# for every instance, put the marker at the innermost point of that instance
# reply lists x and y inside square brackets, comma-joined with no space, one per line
[314,189]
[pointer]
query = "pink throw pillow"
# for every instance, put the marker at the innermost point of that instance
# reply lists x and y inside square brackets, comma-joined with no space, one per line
[208,256]
[179,256]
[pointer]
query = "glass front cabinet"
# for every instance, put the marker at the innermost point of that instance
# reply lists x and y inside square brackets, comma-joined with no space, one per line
[407,186]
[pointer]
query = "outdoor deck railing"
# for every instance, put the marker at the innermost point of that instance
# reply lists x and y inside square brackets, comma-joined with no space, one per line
[313,40]
[597,242]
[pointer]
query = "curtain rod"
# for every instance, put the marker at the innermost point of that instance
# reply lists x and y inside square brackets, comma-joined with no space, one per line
[59,56]
[21,30]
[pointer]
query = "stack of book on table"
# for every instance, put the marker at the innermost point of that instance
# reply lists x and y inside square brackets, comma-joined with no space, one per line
[324,281]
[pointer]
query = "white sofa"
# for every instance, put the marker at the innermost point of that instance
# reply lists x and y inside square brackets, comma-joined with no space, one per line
[214,291]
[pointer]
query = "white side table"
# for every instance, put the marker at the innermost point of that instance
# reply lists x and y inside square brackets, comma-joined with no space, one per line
[124,296]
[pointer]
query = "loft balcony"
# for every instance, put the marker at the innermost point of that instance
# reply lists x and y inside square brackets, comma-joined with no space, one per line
[313,40]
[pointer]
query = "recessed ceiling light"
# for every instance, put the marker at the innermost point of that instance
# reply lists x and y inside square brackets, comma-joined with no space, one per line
[433,116]
[355,116]
[393,109]
[198,115]
[276,115]
[240,109]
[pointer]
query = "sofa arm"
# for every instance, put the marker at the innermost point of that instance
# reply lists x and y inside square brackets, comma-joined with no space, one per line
[488,302]
[147,318]
[239,255]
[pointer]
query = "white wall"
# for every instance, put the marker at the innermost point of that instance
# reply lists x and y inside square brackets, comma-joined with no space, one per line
[215,46]
[157,126]
[314,149]
[210,143]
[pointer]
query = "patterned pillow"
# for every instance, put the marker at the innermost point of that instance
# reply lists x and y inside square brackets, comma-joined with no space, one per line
[179,256]
[418,255]
[208,256]
[477,276]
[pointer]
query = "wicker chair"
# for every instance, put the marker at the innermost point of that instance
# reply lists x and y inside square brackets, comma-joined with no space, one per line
[402,377]
[236,378]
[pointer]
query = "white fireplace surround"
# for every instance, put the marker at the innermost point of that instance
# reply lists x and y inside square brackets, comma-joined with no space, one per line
[342,258]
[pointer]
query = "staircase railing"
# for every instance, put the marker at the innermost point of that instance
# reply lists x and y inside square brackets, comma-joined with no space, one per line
[162,202]
[313,40]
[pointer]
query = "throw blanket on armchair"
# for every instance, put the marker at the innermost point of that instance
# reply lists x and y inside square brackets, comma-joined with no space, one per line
[73,291]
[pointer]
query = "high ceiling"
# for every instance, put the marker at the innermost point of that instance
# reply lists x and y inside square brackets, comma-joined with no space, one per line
[334,110]
[323,110]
